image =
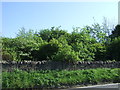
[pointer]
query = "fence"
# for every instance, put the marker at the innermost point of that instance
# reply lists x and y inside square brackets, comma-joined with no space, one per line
[53,65]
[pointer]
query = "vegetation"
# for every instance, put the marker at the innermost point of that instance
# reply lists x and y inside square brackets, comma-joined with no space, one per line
[91,43]
[56,78]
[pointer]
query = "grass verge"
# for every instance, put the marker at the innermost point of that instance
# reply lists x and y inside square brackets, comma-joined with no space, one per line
[59,78]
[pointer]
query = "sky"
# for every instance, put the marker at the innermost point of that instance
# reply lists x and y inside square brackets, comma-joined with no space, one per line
[43,15]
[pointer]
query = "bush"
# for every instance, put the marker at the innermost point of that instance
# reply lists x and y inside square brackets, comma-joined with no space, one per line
[100,51]
[66,55]
[85,51]
[65,52]
[6,56]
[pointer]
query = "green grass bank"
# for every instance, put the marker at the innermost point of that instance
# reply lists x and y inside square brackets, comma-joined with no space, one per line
[59,78]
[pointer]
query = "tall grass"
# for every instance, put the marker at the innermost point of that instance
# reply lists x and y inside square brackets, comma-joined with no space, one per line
[58,78]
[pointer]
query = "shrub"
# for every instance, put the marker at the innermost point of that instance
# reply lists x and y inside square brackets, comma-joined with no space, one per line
[100,51]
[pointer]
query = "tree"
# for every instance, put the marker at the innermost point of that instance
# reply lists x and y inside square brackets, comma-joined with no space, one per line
[9,52]
[65,52]
[81,43]
[47,34]
[116,32]
[100,51]
[113,46]
[81,36]
[30,45]
[45,51]
[113,49]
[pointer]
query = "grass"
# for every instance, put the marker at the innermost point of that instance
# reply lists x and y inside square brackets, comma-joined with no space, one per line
[58,78]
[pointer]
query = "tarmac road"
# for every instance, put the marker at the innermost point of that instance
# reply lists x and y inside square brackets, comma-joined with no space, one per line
[98,87]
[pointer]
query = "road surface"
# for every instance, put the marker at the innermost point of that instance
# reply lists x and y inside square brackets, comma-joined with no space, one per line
[98,87]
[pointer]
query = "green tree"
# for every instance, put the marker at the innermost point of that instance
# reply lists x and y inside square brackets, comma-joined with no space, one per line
[100,51]
[45,51]
[48,34]
[113,49]
[81,43]
[96,31]
[65,52]
[29,44]
[115,32]
[80,36]
[9,49]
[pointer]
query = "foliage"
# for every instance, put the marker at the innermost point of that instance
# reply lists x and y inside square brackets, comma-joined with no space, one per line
[47,34]
[9,52]
[113,49]
[115,32]
[65,52]
[80,36]
[56,78]
[100,51]
[113,46]
[83,44]
[46,50]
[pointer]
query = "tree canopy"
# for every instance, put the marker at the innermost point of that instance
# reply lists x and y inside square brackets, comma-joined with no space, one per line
[82,44]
